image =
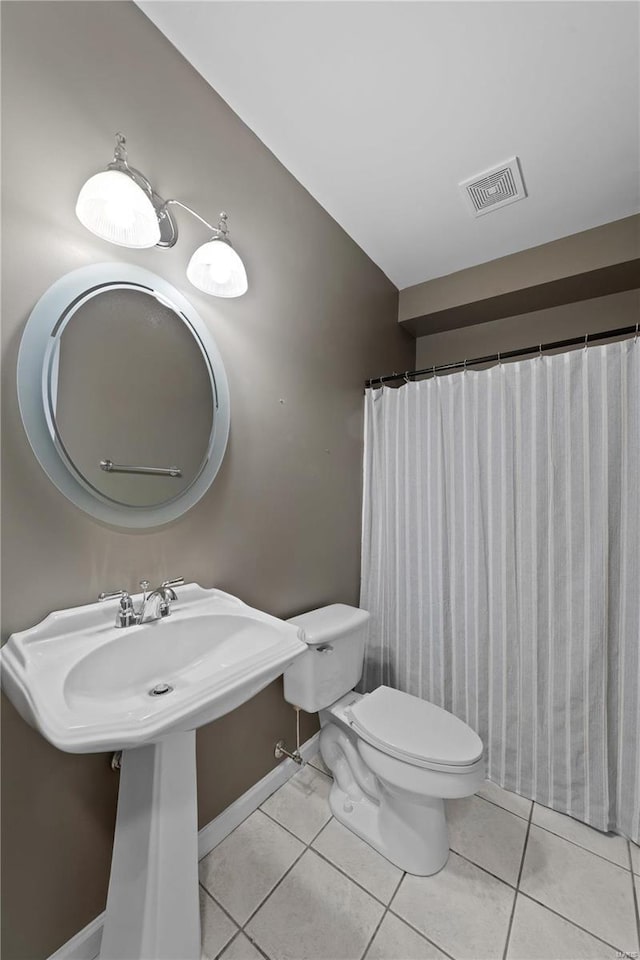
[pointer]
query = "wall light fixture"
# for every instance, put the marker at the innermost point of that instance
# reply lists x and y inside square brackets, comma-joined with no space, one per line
[121,206]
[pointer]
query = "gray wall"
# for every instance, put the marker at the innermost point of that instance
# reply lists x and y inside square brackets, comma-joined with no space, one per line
[281,525]
[527,329]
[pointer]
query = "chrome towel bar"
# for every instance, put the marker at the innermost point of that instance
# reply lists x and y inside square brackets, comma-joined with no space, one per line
[110,467]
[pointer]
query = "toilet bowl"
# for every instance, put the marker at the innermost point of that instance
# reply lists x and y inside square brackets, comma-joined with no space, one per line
[394,757]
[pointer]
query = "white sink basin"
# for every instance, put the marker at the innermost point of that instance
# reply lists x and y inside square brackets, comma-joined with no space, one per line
[84,683]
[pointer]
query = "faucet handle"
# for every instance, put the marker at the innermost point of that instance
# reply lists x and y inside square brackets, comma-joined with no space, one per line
[145,586]
[126,616]
[169,593]
[178,582]
[116,595]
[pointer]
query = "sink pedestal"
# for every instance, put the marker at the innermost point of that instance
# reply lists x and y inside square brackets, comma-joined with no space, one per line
[153,904]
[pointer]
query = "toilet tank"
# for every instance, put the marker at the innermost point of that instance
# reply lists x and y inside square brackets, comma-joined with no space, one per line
[332,665]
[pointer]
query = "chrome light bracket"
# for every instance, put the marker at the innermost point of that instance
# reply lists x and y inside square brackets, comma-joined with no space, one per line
[166,223]
[221,232]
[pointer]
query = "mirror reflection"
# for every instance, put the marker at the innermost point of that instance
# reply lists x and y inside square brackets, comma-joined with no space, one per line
[131,396]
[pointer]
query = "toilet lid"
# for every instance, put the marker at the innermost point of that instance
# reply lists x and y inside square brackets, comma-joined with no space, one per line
[414,729]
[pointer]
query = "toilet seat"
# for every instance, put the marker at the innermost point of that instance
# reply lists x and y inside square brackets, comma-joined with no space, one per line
[414,730]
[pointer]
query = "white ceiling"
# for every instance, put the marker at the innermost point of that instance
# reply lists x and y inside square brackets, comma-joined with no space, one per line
[380,108]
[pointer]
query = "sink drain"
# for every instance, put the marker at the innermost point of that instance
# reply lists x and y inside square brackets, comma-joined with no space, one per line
[160,689]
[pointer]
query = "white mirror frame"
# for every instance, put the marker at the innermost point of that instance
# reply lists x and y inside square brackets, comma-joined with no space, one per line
[33,388]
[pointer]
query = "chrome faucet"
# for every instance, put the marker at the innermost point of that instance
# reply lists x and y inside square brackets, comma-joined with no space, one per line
[154,605]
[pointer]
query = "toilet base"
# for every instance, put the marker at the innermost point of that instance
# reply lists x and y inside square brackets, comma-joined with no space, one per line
[421,854]
[420,848]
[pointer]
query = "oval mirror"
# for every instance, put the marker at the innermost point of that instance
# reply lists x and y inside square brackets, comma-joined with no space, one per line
[123,395]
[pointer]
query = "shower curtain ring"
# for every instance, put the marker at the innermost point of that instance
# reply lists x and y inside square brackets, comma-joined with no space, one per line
[586,340]
[406,377]
[540,350]
[635,339]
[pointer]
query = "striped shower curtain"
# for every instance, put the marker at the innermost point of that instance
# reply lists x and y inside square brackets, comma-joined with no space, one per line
[501,567]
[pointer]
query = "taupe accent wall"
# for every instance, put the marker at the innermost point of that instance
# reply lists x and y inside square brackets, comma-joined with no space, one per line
[527,329]
[281,525]
[595,263]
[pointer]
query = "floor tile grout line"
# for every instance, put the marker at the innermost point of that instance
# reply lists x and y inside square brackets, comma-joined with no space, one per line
[494,803]
[373,935]
[398,885]
[579,845]
[553,832]
[320,832]
[381,921]
[309,846]
[395,892]
[520,893]
[433,943]
[519,877]
[307,763]
[634,889]
[409,924]
[484,869]
[285,874]
[273,889]
[228,943]
[291,833]
[256,945]
[335,866]
[242,925]
[224,910]
[612,946]
[352,879]
[310,763]
[306,846]
[512,793]
[530,800]
[237,827]
[530,823]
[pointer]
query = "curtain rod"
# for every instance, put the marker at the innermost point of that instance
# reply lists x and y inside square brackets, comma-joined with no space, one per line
[507,355]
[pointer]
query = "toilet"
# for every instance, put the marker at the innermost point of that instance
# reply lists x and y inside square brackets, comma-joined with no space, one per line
[395,758]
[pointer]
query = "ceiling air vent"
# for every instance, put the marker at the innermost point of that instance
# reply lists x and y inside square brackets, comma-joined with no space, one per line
[494,188]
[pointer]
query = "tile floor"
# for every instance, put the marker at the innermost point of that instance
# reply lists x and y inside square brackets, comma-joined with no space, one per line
[522,883]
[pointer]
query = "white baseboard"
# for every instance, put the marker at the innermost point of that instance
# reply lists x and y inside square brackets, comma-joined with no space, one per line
[86,944]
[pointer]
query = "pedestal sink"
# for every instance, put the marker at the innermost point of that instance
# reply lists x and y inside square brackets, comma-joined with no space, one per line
[89,686]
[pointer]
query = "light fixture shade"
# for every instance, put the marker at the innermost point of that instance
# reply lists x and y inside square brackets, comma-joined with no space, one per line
[116,209]
[217,269]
